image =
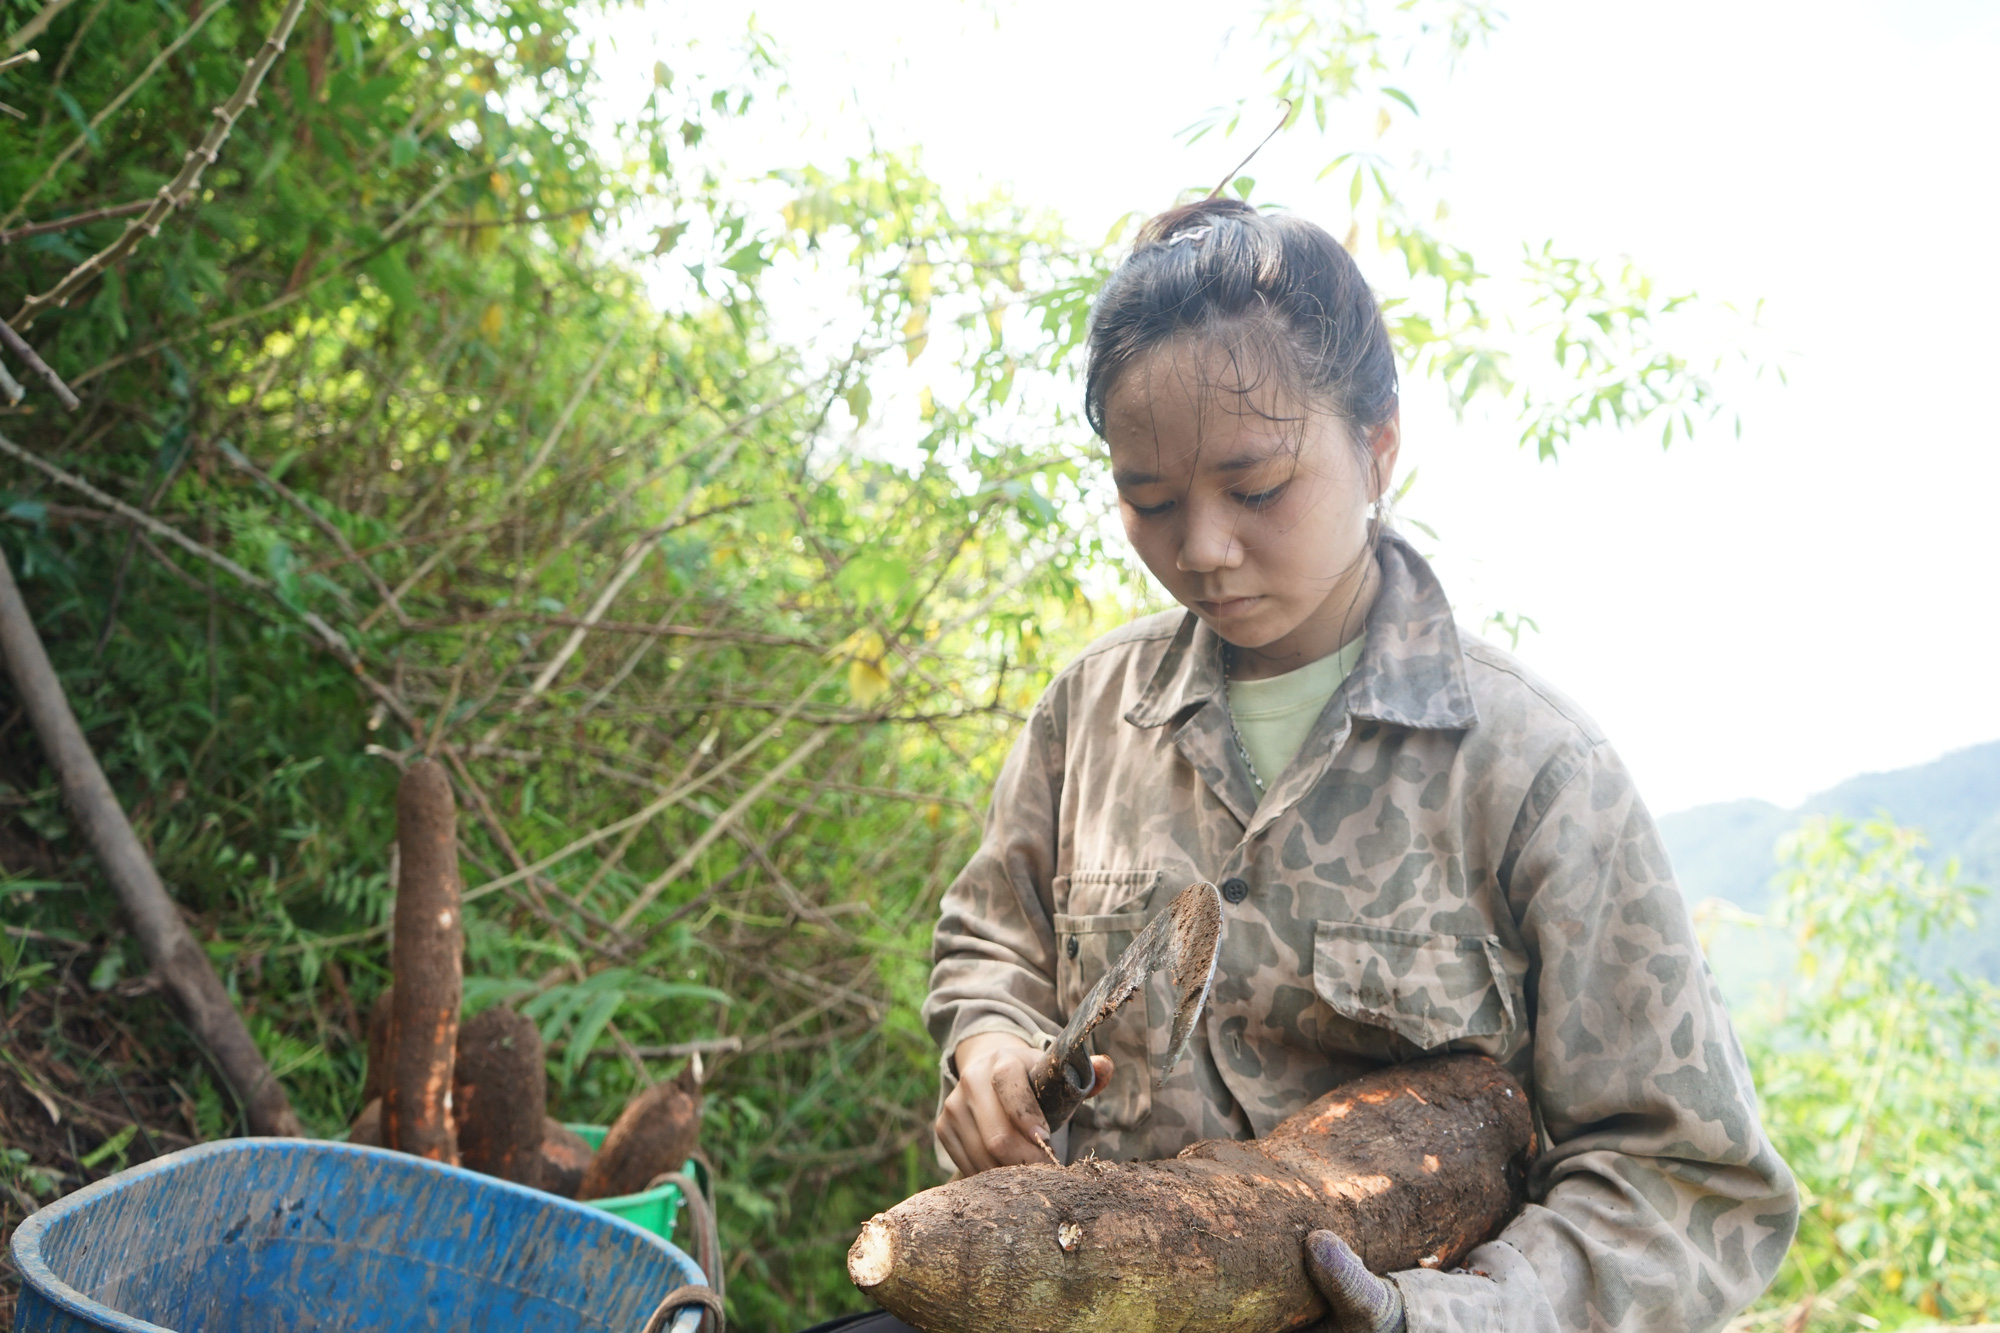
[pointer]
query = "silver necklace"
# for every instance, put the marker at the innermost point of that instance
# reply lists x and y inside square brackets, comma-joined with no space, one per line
[1228,665]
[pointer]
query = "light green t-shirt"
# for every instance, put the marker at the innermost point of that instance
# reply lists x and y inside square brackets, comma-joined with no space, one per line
[1273,715]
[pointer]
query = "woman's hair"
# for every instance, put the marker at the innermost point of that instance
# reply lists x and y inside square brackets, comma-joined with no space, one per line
[1275,292]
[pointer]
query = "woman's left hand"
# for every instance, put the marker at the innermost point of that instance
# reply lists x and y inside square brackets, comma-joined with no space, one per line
[1357,1300]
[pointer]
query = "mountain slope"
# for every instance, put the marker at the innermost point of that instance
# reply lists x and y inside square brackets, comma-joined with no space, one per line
[1728,850]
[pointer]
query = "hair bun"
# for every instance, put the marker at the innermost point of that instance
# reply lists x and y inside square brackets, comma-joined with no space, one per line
[1190,222]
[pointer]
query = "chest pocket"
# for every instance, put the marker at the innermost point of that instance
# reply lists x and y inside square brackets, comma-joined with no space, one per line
[1106,909]
[1430,990]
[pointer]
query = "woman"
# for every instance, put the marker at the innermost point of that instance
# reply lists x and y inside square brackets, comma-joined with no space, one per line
[1421,846]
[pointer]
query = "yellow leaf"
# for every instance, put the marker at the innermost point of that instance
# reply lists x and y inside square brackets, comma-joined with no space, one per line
[867,674]
[493,320]
[920,284]
[913,332]
[926,405]
[498,182]
[866,681]
[933,814]
[1352,240]
[1381,122]
[996,319]
[863,644]
[1893,1279]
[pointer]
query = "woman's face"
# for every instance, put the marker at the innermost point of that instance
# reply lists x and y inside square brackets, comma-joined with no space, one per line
[1251,509]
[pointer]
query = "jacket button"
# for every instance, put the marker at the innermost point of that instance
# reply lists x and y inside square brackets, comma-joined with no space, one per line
[1235,890]
[1072,946]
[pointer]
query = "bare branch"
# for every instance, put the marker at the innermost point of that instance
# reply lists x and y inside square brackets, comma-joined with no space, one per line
[723,823]
[19,347]
[75,220]
[32,29]
[109,109]
[176,192]
[318,520]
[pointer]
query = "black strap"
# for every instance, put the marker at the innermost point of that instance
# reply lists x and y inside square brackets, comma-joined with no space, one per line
[679,1299]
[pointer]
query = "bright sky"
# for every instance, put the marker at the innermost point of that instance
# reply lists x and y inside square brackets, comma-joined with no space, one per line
[1760,616]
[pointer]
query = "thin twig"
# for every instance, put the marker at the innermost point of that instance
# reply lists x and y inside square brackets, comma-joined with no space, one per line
[326,525]
[634,556]
[329,638]
[527,474]
[520,220]
[25,58]
[176,192]
[19,347]
[75,220]
[1283,116]
[110,108]
[721,825]
[32,29]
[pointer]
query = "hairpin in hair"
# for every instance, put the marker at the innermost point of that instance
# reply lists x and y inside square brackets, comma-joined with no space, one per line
[1282,118]
[1193,235]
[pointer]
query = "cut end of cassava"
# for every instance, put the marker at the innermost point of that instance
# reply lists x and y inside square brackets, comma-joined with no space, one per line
[873,1255]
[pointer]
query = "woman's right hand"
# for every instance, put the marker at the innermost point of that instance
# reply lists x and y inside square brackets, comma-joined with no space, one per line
[991,1117]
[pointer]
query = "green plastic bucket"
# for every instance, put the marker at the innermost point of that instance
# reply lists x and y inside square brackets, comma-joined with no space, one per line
[654,1209]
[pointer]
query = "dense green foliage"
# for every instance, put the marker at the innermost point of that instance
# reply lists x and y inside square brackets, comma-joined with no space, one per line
[720,629]
[1881,1089]
[394,366]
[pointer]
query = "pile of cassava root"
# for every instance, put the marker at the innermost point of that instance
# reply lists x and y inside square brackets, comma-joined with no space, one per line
[1412,1165]
[476,1095]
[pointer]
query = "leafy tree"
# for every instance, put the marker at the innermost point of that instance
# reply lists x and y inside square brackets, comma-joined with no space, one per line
[1881,1089]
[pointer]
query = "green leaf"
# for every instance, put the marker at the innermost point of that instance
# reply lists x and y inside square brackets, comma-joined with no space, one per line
[874,577]
[1402,97]
[75,113]
[589,1027]
[110,1147]
[748,261]
[105,975]
[393,276]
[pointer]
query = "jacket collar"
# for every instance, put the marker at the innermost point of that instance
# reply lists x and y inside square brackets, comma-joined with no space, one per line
[1411,672]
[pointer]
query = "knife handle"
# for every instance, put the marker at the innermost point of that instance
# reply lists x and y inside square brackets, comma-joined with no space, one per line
[1060,1085]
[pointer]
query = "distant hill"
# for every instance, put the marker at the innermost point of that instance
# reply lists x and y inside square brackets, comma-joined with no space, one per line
[1728,851]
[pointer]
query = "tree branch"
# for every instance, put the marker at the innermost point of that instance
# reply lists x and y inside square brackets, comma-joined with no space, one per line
[169,947]
[176,192]
[19,347]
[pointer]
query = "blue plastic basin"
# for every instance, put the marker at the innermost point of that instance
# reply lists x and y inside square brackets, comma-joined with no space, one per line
[306,1236]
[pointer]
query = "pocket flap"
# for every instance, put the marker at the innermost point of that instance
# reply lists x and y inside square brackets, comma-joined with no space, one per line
[1429,989]
[1088,893]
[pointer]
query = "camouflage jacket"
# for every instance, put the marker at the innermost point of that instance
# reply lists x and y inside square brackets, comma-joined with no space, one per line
[1455,860]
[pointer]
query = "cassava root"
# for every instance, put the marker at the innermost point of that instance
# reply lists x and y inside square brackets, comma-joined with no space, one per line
[499,1096]
[1412,1165]
[426,960]
[653,1135]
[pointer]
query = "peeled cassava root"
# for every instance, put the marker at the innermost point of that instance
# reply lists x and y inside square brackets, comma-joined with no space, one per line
[1412,1165]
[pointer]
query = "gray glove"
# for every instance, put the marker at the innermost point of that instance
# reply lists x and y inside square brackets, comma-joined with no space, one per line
[1357,1300]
